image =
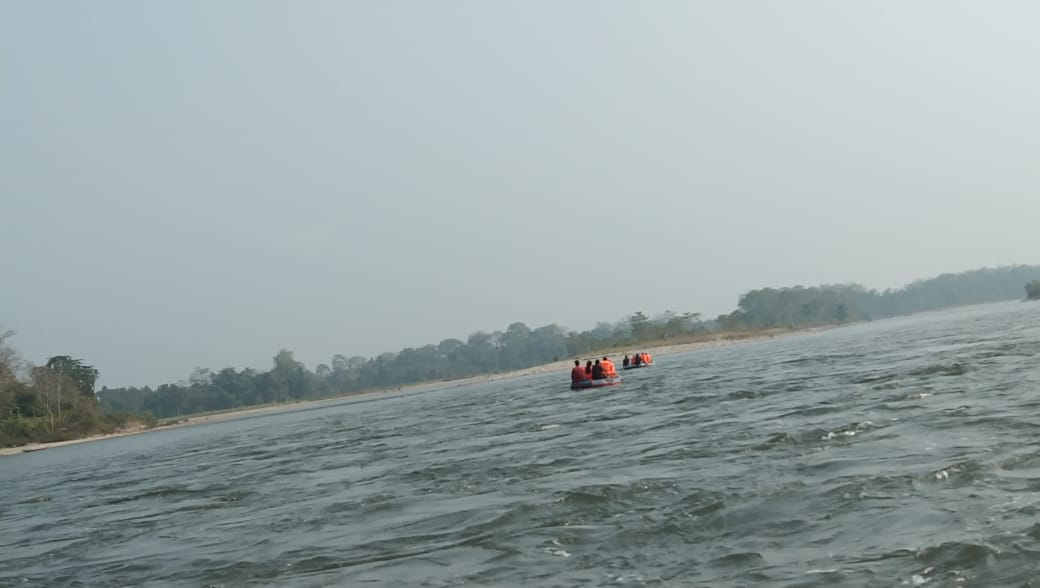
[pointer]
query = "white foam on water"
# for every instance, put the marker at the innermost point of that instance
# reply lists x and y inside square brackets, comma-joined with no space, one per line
[849,432]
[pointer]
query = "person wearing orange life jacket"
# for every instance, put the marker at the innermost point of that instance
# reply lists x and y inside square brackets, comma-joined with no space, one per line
[609,371]
[649,358]
[578,373]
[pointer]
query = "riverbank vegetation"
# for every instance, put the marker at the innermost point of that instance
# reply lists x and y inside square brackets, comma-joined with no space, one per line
[800,307]
[1033,290]
[39,405]
[53,402]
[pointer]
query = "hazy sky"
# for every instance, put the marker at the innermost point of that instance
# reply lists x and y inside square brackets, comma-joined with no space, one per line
[197,183]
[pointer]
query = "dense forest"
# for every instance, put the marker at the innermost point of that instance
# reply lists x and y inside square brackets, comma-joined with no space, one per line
[482,353]
[58,400]
[803,307]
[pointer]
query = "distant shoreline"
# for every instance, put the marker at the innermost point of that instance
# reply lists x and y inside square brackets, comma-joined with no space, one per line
[562,367]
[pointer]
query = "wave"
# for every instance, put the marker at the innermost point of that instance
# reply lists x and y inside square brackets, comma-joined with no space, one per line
[815,436]
[942,369]
[164,492]
[739,559]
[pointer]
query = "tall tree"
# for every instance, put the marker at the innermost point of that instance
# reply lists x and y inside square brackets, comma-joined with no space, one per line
[9,363]
[1033,290]
[640,325]
[9,366]
[84,376]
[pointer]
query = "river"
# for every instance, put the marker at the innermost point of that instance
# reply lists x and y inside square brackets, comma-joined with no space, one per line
[898,452]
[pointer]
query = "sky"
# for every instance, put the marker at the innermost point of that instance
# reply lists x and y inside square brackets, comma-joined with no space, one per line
[200,184]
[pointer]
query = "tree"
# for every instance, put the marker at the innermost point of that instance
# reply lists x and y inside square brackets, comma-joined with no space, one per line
[84,376]
[548,343]
[9,367]
[640,326]
[200,377]
[322,371]
[293,375]
[454,356]
[1033,290]
[482,351]
[9,363]
[48,384]
[513,346]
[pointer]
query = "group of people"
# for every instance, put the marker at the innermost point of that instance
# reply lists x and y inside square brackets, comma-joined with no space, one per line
[600,370]
[637,359]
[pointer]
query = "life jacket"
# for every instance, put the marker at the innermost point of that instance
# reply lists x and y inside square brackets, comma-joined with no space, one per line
[608,368]
[578,374]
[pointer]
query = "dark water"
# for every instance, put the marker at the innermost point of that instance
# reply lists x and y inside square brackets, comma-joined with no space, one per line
[902,452]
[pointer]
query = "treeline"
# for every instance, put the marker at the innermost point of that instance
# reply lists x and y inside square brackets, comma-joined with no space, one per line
[802,307]
[289,380]
[519,346]
[53,402]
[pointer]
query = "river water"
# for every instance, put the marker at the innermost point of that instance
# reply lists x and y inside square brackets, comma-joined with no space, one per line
[899,452]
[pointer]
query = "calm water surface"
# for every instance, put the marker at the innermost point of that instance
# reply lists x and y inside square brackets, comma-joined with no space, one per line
[900,452]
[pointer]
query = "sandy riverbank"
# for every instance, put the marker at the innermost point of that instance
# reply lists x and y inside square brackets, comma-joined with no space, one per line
[562,367]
